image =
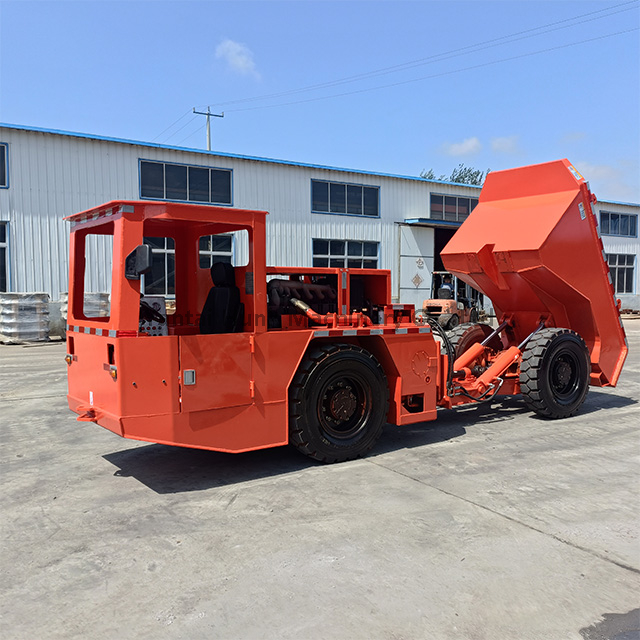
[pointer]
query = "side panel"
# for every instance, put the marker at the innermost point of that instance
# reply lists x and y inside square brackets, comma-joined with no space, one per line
[146,382]
[89,382]
[222,366]
[147,375]
[276,359]
[411,365]
[225,365]
[233,430]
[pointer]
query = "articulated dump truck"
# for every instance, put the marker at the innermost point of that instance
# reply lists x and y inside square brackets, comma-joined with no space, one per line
[251,356]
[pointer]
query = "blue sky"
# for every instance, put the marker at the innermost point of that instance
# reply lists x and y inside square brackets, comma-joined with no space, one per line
[428,84]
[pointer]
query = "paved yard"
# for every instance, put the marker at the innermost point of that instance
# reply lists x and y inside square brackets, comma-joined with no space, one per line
[487,524]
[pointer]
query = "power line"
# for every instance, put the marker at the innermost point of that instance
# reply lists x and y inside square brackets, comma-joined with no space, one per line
[502,40]
[171,125]
[188,122]
[437,75]
[189,135]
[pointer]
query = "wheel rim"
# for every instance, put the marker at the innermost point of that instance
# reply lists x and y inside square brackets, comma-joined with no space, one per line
[564,376]
[344,406]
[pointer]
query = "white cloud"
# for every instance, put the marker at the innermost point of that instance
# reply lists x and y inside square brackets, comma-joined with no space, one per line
[611,183]
[238,56]
[508,144]
[467,147]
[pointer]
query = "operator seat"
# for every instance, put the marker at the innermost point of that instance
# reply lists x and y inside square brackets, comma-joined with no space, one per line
[445,293]
[222,312]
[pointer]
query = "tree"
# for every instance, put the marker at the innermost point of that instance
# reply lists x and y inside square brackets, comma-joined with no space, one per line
[461,174]
[430,175]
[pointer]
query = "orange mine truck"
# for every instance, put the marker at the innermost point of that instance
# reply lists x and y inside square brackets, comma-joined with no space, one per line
[251,356]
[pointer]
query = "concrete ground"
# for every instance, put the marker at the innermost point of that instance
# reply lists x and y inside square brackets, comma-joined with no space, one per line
[487,524]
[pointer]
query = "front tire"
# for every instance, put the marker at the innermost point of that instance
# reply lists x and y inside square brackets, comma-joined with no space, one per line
[338,403]
[554,374]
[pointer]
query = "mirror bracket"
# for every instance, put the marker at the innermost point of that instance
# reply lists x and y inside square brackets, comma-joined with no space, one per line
[138,262]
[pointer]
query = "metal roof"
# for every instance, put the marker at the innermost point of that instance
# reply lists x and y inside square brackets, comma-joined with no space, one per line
[222,154]
[238,156]
[431,222]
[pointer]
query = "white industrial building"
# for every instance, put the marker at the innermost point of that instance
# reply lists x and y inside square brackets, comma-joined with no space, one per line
[322,216]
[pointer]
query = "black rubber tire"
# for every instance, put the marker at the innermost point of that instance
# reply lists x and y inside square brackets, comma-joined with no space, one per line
[554,373]
[338,403]
[454,321]
[473,315]
[467,334]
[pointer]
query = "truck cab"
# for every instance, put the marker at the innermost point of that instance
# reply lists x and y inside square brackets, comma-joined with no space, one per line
[208,358]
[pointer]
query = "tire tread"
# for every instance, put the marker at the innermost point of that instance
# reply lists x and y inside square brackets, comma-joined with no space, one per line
[530,381]
[315,357]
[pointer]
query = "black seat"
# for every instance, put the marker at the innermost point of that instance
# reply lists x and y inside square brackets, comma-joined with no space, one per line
[223,311]
[444,293]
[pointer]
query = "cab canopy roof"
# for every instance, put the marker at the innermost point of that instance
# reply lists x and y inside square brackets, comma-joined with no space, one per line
[161,211]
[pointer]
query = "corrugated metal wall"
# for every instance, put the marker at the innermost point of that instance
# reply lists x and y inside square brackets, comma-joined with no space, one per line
[53,175]
[622,245]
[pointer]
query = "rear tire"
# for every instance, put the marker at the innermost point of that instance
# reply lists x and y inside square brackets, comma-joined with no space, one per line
[473,315]
[338,403]
[465,335]
[554,374]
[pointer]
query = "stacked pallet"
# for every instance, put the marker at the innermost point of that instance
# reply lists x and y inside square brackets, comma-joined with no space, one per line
[96,305]
[24,317]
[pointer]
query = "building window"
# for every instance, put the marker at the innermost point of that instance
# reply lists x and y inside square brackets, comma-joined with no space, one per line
[162,279]
[215,249]
[622,269]
[4,165]
[619,224]
[451,208]
[348,199]
[353,254]
[4,250]
[165,181]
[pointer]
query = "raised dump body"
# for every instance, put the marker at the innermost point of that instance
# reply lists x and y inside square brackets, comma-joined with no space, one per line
[532,246]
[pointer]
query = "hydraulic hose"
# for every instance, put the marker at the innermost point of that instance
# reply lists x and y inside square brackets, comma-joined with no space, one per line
[358,319]
[435,326]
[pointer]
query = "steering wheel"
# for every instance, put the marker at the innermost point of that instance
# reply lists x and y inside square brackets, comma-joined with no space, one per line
[148,313]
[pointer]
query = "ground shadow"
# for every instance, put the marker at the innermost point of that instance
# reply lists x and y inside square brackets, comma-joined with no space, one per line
[167,469]
[614,626]
[599,400]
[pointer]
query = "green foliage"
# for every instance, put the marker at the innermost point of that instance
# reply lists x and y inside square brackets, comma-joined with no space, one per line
[461,174]
[430,175]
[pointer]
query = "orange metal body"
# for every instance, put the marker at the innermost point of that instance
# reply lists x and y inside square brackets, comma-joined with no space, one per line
[134,384]
[532,246]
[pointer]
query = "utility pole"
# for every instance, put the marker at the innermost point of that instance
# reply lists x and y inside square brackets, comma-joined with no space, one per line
[209,114]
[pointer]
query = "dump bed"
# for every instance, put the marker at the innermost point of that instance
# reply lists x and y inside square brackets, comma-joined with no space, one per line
[532,246]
